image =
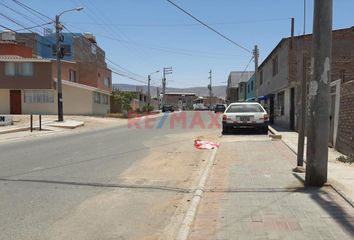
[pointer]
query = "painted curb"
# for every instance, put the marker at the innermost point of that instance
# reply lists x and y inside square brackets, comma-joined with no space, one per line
[274,133]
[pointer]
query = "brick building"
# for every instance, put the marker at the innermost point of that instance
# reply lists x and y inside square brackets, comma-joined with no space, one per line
[28,78]
[280,76]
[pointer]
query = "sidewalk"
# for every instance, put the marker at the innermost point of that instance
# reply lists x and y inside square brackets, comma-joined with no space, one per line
[340,175]
[253,194]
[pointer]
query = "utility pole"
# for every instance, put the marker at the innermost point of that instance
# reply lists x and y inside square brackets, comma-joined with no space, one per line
[149,97]
[318,113]
[166,70]
[303,106]
[210,88]
[58,28]
[60,54]
[255,56]
[149,80]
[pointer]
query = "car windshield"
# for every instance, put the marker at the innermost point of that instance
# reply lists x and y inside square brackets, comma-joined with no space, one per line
[219,106]
[244,108]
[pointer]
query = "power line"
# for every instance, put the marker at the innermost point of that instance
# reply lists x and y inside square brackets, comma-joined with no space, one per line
[21,25]
[112,62]
[40,42]
[33,11]
[212,29]
[40,25]
[246,67]
[20,14]
[184,52]
[179,24]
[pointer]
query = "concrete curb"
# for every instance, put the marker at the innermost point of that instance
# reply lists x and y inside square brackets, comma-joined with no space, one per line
[331,183]
[13,130]
[274,133]
[191,213]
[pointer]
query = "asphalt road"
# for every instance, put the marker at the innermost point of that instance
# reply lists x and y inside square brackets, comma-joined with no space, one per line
[116,183]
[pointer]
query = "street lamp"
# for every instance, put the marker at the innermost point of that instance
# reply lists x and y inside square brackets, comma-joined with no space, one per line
[58,28]
[149,79]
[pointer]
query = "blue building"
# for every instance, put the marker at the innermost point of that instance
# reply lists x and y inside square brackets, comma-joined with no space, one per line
[251,88]
[50,52]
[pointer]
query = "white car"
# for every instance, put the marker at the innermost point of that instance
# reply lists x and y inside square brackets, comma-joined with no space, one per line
[245,115]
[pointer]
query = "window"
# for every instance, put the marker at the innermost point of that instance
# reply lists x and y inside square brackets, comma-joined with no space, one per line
[19,69]
[281,104]
[260,78]
[10,69]
[38,96]
[244,108]
[106,82]
[248,90]
[275,65]
[104,98]
[72,75]
[251,85]
[67,49]
[96,97]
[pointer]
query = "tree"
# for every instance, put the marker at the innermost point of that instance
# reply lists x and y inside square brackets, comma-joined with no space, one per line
[123,99]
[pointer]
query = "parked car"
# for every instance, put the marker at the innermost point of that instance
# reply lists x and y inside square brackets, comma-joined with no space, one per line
[167,108]
[245,115]
[219,108]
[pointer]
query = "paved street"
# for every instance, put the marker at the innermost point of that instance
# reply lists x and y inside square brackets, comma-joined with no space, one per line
[138,182]
[117,183]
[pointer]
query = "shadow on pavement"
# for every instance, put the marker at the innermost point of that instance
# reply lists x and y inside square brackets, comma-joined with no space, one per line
[329,203]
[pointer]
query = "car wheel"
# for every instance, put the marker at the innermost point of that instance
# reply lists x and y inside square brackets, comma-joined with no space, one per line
[225,130]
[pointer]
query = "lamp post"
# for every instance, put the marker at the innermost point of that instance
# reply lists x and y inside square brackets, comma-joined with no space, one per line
[58,28]
[149,79]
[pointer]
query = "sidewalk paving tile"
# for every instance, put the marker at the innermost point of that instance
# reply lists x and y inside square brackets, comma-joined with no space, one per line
[258,197]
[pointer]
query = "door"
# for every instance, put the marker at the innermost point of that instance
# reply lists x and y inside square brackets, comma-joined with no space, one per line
[15,102]
[271,109]
[292,109]
[331,120]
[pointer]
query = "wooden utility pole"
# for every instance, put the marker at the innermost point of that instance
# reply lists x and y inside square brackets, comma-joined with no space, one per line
[319,97]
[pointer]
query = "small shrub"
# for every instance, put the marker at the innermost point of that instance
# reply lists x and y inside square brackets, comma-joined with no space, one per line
[346,159]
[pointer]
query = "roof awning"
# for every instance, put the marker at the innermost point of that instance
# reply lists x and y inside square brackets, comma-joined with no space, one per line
[263,97]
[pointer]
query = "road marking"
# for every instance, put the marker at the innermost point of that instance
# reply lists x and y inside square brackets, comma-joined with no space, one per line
[191,213]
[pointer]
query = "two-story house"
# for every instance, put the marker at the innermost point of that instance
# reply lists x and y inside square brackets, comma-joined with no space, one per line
[280,76]
[28,80]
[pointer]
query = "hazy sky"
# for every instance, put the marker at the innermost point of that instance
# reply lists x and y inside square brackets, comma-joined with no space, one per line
[143,36]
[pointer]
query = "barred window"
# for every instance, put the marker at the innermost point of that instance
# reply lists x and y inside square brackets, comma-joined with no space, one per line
[104,99]
[38,96]
[96,97]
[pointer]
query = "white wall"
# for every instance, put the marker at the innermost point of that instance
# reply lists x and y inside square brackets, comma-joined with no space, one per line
[4,101]
[39,108]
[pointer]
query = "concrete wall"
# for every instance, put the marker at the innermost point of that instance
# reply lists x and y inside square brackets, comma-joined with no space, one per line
[39,108]
[282,120]
[272,84]
[76,101]
[4,101]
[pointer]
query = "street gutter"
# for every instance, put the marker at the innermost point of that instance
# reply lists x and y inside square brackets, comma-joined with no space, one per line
[191,213]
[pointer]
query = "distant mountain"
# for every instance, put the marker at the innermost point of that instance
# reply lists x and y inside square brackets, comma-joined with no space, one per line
[219,91]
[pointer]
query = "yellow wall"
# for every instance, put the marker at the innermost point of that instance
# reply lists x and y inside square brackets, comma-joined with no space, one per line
[4,101]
